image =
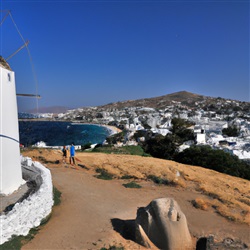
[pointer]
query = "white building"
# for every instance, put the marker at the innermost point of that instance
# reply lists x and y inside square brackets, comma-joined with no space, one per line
[10,163]
[201,138]
[200,134]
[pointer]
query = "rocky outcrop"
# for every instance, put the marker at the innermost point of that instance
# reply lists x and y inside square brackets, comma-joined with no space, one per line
[162,225]
[208,243]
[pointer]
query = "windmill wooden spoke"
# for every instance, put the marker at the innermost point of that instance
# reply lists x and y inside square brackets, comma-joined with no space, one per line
[29,95]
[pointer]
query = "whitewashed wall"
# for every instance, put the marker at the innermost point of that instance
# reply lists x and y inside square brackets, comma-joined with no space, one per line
[201,138]
[30,212]
[10,164]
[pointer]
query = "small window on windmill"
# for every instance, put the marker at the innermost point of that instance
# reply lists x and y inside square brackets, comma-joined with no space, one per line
[9,77]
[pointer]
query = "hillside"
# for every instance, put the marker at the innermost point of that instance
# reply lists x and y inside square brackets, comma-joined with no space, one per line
[178,101]
[213,203]
[159,102]
[183,100]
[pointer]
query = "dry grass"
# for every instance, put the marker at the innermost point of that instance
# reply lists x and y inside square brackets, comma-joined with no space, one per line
[228,196]
[227,200]
[201,204]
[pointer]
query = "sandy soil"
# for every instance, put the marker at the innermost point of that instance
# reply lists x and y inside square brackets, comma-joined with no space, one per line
[93,211]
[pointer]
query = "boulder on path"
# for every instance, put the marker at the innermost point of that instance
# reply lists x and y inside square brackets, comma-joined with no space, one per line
[162,225]
[208,243]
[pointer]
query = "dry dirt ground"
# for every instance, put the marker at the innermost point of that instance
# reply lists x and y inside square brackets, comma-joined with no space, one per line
[94,213]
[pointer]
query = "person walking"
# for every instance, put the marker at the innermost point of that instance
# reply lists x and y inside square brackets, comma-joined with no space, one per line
[64,151]
[72,154]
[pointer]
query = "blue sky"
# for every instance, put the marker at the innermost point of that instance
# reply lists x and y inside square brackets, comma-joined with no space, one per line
[89,53]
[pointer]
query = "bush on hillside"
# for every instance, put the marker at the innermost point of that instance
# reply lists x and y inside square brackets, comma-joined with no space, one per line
[160,146]
[180,130]
[231,131]
[165,147]
[217,160]
[132,184]
[129,150]
[113,139]
[179,124]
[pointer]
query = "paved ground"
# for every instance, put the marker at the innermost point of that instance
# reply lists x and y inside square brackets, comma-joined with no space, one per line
[5,201]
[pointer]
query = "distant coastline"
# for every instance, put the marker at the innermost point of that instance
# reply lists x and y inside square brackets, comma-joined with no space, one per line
[58,133]
[112,128]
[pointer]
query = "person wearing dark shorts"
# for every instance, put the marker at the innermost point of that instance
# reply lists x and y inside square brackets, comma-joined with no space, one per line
[64,151]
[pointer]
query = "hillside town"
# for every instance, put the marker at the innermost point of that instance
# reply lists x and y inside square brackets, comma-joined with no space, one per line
[208,115]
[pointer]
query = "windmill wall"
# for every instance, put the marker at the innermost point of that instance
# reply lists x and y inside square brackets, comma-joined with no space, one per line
[10,163]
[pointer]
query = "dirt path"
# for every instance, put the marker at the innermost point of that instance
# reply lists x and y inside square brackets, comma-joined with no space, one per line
[83,220]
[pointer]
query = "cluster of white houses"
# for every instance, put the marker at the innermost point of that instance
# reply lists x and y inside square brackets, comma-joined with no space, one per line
[208,124]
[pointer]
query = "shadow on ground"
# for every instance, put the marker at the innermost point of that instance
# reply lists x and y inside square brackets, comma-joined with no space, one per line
[126,228]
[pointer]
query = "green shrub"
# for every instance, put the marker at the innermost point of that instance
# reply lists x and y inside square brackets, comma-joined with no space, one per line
[116,137]
[139,133]
[103,174]
[231,131]
[131,184]
[57,196]
[129,150]
[215,159]
[16,242]
[127,177]
[160,147]
[179,124]
[165,147]
[158,180]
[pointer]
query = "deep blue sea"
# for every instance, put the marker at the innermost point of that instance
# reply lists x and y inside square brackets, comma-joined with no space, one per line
[60,133]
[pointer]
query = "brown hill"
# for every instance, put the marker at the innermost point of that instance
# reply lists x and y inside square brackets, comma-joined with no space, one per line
[213,203]
[160,102]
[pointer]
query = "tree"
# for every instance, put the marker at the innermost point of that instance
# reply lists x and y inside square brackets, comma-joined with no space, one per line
[180,130]
[160,146]
[217,160]
[231,131]
[165,147]
[113,139]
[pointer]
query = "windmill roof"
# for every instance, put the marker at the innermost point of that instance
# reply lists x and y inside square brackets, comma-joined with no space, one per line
[4,64]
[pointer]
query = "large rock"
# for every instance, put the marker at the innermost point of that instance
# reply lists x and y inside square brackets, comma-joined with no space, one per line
[162,224]
[227,244]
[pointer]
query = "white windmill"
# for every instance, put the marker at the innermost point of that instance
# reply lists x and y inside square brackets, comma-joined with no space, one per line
[10,163]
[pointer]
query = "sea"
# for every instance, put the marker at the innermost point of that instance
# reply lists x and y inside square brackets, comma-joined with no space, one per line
[61,133]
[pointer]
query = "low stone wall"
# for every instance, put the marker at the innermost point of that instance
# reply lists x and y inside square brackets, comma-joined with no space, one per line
[35,205]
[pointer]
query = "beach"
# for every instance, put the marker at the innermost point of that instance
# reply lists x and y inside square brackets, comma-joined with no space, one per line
[114,129]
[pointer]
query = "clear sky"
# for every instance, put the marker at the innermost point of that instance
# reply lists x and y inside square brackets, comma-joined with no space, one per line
[89,53]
